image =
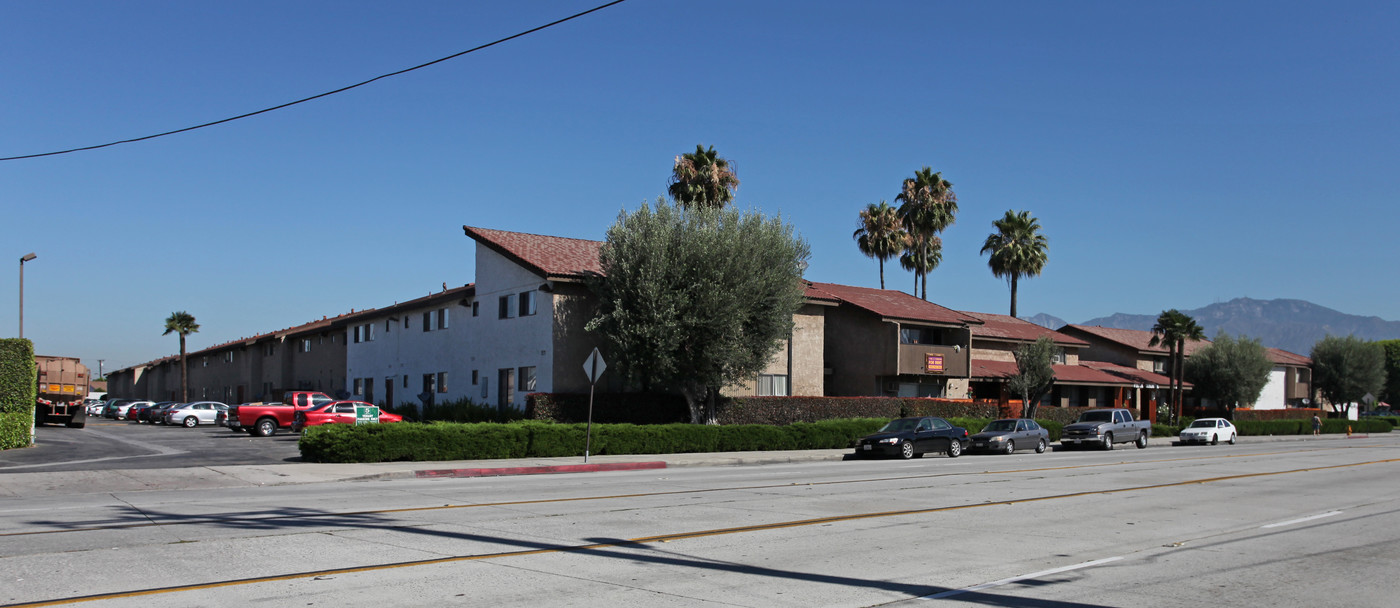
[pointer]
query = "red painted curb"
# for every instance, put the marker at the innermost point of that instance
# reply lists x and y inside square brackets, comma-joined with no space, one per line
[562,468]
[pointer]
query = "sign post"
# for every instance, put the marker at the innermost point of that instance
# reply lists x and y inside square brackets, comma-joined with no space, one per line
[593,366]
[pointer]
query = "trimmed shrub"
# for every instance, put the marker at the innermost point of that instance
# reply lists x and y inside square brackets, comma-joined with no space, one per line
[608,408]
[18,383]
[1242,415]
[1166,430]
[461,410]
[484,441]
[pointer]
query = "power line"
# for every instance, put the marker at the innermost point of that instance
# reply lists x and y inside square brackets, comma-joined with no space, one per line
[326,94]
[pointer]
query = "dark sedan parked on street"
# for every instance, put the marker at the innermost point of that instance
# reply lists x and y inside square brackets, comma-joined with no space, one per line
[1010,434]
[914,437]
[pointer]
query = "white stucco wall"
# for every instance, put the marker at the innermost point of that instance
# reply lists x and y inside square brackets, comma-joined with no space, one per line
[398,352]
[1273,397]
[509,343]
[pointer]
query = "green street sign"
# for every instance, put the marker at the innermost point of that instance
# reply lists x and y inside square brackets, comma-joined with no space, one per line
[366,414]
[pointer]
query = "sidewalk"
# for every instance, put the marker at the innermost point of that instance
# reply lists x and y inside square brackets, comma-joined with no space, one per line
[29,485]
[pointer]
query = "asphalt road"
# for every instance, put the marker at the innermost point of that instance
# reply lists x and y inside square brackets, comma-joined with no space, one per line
[1263,524]
[109,444]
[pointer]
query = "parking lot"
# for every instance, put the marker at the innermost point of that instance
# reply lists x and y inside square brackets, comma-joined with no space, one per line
[110,444]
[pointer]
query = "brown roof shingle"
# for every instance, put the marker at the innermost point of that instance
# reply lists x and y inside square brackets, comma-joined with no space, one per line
[1007,327]
[894,304]
[551,257]
[1135,339]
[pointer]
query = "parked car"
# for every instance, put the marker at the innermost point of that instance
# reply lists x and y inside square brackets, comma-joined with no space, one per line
[335,412]
[94,406]
[156,413]
[1209,430]
[195,413]
[914,437]
[135,412]
[262,420]
[1105,428]
[1011,434]
[124,409]
[114,406]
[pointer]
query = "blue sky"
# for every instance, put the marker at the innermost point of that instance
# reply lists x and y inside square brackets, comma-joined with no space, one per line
[1176,154]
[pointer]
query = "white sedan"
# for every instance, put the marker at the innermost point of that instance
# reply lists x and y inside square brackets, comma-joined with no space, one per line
[1209,430]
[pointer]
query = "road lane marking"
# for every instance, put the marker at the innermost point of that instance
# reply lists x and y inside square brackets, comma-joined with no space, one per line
[546,550]
[1017,579]
[1302,519]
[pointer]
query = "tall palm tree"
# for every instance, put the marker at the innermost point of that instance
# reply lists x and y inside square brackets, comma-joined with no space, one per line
[880,234]
[183,324]
[928,206]
[1018,249]
[703,179]
[1174,328]
[921,256]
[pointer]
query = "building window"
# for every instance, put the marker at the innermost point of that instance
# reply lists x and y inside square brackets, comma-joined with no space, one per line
[405,321]
[527,379]
[358,334]
[506,307]
[269,349]
[442,382]
[204,361]
[474,377]
[476,308]
[359,386]
[1159,366]
[429,382]
[1059,357]
[527,303]
[770,385]
[306,345]
[387,324]
[428,321]
[228,357]
[920,335]
[442,318]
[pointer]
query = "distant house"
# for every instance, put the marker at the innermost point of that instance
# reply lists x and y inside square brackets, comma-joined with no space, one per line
[1290,382]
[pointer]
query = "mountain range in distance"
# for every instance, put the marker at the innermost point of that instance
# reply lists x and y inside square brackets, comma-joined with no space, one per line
[1291,325]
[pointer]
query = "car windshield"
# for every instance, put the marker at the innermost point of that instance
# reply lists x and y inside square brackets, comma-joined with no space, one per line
[1099,416]
[999,426]
[1207,423]
[900,425]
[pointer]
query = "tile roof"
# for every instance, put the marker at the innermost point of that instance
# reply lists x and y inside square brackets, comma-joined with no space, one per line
[1283,357]
[1077,374]
[1135,339]
[894,304]
[1133,374]
[1007,327]
[551,257]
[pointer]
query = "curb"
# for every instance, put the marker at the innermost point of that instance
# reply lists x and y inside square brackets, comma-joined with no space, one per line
[543,470]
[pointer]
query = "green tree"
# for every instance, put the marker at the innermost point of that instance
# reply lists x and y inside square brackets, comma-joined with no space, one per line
[1230,372]
[703,179]
[928,206]
[1173,328]
[880,234]
[922,254]
[1035,373]
[1345,369]
[1018,249]
[182,323]
[696,298]
[1392,372]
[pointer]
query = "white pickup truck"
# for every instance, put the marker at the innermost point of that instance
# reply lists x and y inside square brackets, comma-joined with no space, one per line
[1105,428]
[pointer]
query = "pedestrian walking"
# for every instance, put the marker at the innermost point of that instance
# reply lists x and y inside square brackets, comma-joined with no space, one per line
[1317,425]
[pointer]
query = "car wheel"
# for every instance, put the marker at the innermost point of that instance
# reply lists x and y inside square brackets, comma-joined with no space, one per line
[906,450]
[191,422]
[1010,447]
[1108,441]
[1215,440]
[266,427]
[954,449]
[1142,441]
[1040,447]
[1232,439]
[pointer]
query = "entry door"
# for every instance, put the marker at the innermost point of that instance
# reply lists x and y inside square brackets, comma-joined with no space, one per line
[505,389]
[369,390]
[389,391]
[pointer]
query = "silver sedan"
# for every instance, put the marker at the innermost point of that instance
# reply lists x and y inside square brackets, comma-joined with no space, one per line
[195,413]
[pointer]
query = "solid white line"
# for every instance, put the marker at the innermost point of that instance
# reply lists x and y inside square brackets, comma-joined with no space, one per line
[1007,581]
[1299,521]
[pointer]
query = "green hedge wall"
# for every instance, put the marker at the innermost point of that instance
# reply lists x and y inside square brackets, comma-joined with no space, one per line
[485,441]
[655,408]
[18,375]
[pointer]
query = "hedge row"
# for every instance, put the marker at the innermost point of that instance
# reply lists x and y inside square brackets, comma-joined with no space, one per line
[653,408]
[484,441]
[18,374]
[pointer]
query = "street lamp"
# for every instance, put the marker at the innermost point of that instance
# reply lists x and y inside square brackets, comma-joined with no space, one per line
[27,257]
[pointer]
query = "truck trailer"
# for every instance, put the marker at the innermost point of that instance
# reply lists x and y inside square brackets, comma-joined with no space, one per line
[63,384]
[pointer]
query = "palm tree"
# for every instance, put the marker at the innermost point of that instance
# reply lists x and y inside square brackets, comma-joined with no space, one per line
[703,179]
[1174,328]
[928,206]
[921,256]
[183,324]
[1018,249]
[880,234]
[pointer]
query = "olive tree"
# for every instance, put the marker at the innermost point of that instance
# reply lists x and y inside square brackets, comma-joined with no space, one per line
[696,298]
[1231,372]
[1345,369]
[1035,373]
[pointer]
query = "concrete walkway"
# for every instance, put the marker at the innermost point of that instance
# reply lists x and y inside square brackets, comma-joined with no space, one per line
[29,485]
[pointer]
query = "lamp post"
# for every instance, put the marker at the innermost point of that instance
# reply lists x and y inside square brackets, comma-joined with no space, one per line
[27,257]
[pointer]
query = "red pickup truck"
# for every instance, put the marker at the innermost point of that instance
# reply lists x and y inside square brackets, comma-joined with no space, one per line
[264,420]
